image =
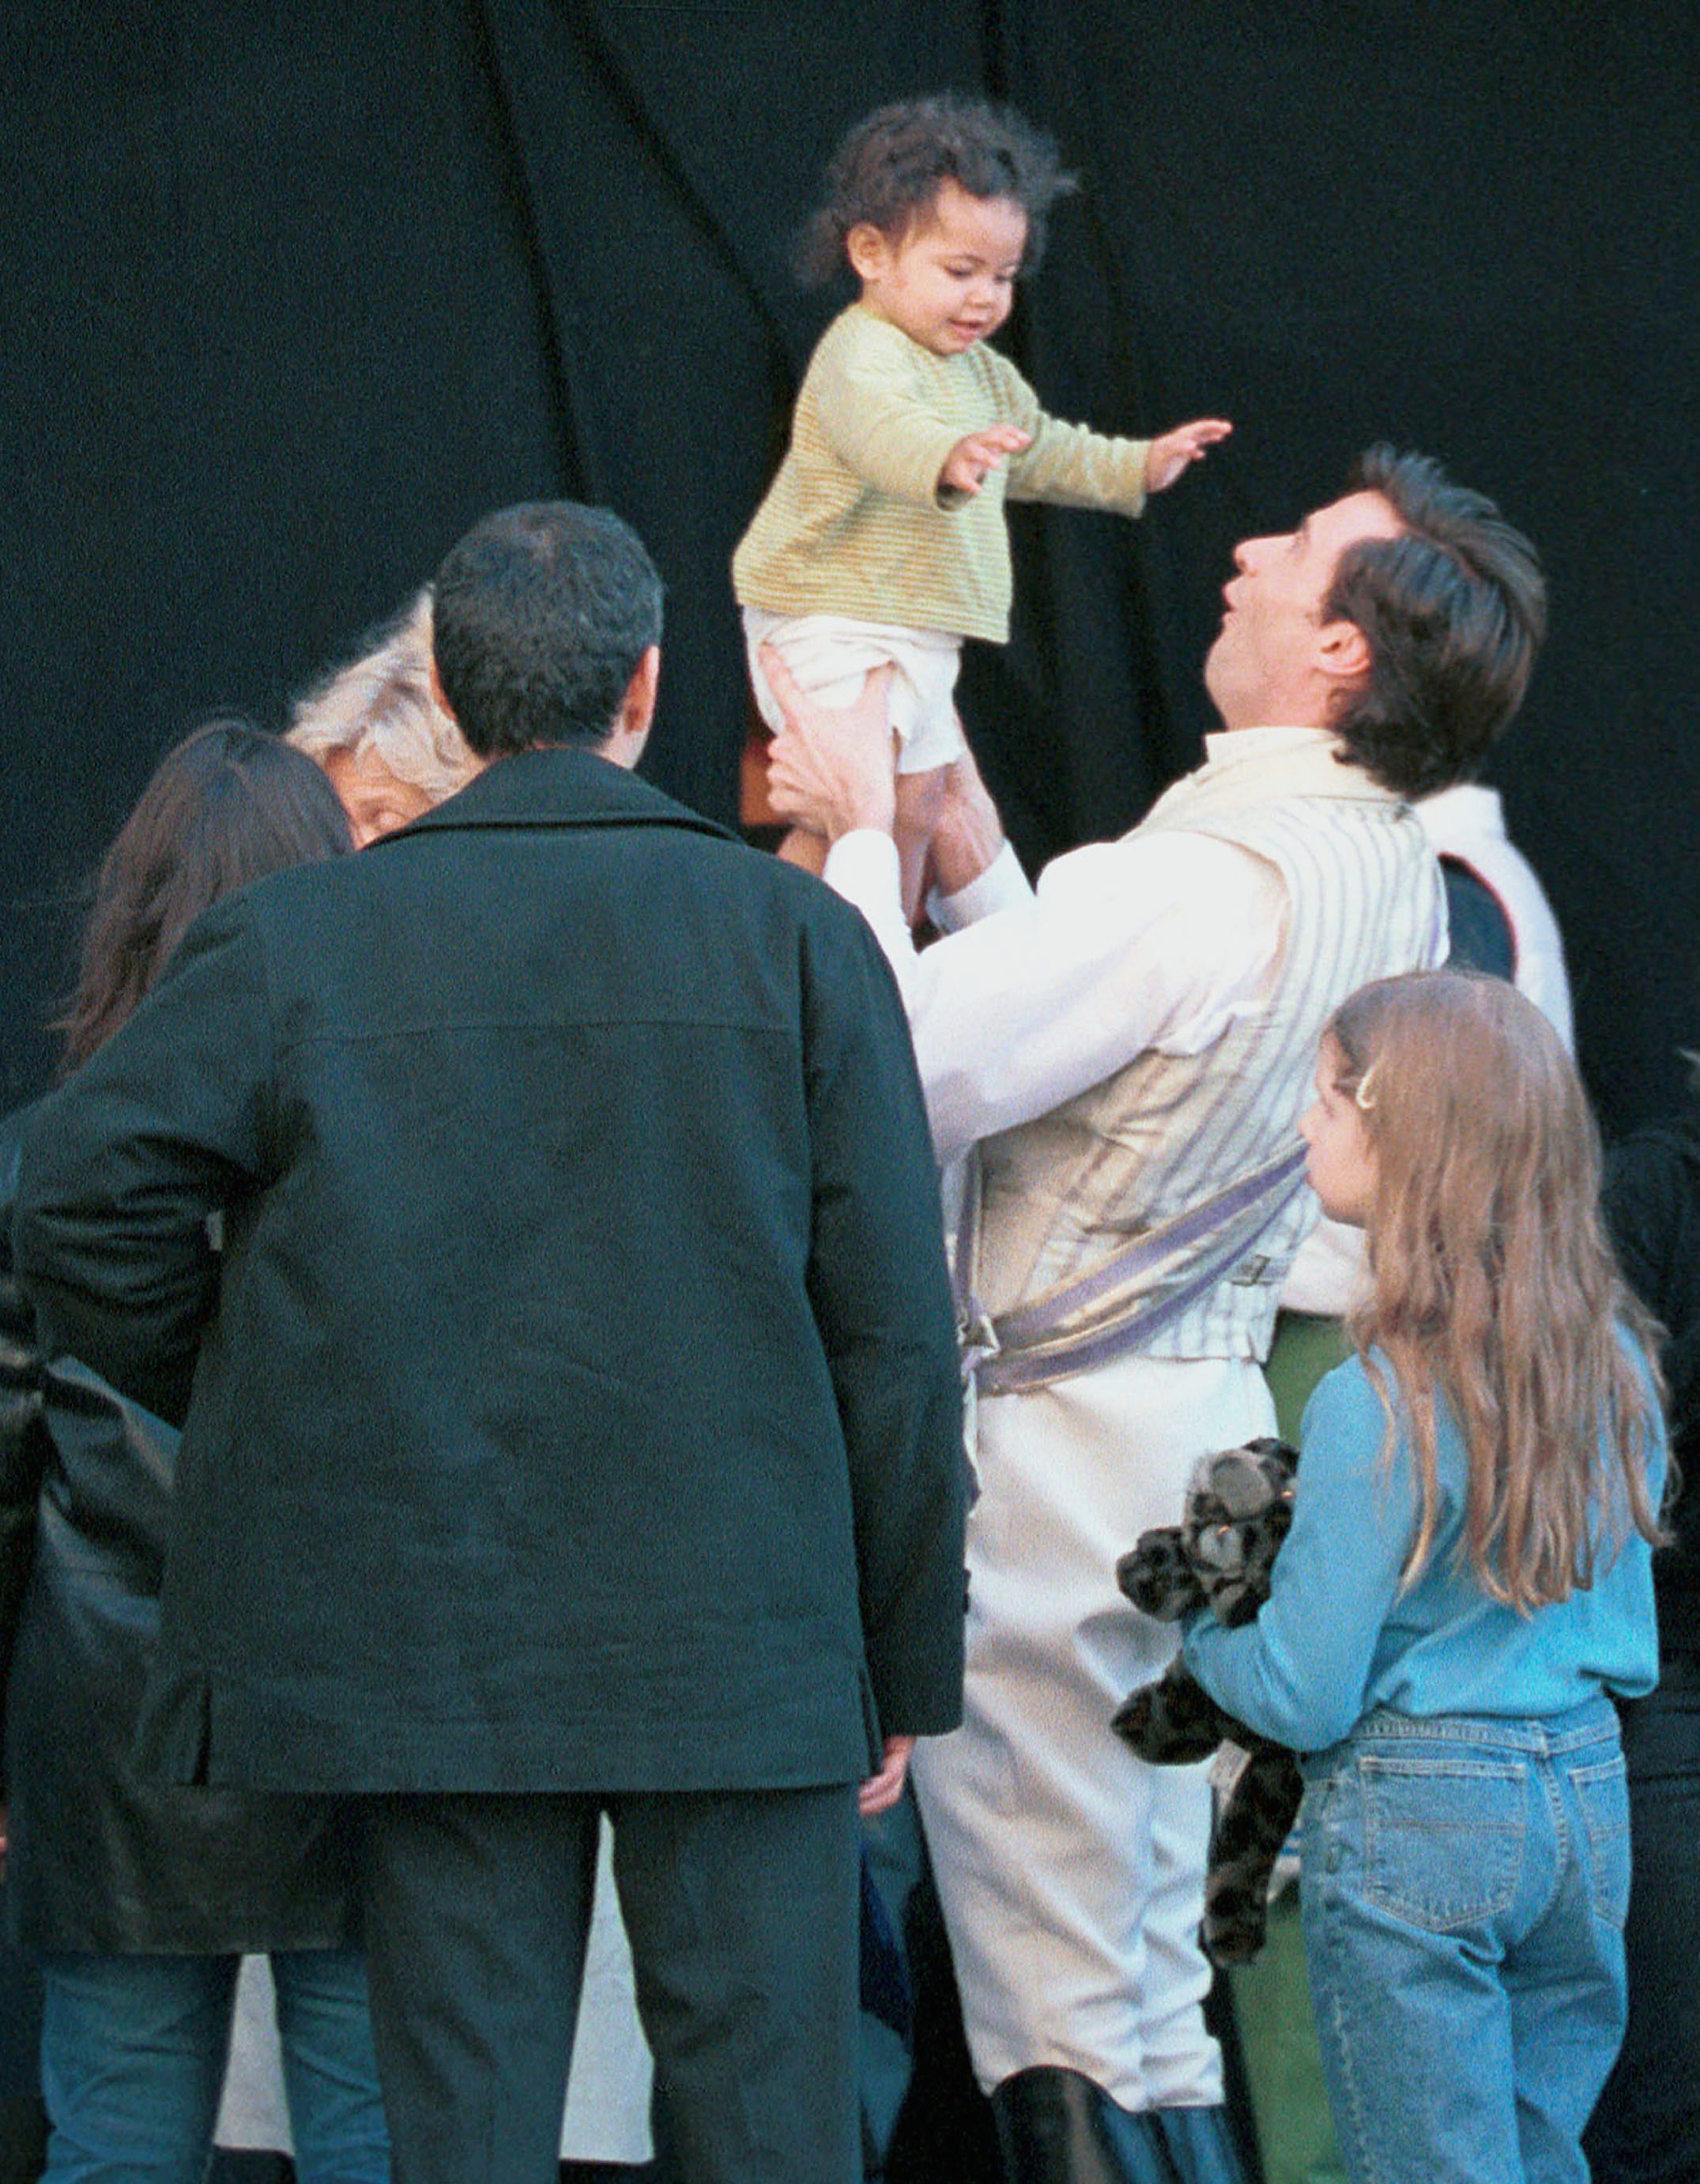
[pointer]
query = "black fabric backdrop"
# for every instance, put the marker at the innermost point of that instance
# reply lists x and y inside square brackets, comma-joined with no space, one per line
[291,294]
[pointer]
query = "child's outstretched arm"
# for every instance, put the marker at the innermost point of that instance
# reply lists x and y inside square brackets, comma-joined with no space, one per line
[1171,452]
[1073,466]
[865,407]
[972,459]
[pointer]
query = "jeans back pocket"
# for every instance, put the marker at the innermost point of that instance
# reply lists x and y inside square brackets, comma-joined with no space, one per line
[1602,1795]
[1443,1838]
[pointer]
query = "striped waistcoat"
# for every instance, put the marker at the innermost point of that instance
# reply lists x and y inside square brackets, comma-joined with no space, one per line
[1059,1194]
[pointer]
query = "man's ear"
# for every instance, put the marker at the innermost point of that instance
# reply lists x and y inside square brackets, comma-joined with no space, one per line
[474,762]
[631,722]
[1342,652]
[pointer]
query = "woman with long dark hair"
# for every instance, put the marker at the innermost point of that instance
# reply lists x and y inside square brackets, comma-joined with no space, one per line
[140,1898]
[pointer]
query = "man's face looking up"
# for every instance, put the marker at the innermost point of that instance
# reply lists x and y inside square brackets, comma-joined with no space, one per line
[1275,663]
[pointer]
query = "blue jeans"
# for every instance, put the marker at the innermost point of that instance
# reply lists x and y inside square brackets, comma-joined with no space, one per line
[1465,1881]
[133,2051]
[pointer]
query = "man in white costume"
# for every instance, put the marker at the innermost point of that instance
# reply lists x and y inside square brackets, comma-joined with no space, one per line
[1128,1047]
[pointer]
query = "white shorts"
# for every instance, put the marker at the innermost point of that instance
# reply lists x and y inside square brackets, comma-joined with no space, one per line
[830,655]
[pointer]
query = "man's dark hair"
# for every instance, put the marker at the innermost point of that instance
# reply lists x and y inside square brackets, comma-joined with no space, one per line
[227,805]
[540,614]
[888,170]
[1454,611]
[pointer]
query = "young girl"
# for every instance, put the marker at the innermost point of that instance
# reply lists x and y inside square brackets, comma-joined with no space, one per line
[1467,1579]
[882,537]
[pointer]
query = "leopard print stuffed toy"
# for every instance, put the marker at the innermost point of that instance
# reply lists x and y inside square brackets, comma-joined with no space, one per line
[1238,1506]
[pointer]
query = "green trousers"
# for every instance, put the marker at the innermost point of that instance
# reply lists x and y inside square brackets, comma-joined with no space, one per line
[1271,1994]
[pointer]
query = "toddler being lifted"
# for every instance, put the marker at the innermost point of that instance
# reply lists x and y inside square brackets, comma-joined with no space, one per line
[882,538]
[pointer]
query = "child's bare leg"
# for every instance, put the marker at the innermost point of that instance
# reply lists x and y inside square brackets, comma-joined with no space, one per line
[920,799]
[804,849]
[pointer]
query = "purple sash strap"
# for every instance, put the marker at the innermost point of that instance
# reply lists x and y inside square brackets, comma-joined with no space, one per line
[1118,1306]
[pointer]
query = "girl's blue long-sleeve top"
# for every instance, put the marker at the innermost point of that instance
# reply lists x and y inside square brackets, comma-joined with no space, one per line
[1337,1637]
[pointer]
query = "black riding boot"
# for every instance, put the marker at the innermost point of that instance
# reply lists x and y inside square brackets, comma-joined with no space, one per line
[1056,2127]
[1200,2144]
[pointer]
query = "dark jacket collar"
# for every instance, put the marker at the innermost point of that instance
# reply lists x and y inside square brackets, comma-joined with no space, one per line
[560,786]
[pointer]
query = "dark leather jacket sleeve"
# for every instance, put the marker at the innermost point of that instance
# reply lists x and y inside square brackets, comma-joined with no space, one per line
[103,1858]
[23,1428]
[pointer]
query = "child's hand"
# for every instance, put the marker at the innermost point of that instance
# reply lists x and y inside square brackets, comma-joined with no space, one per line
[1168,456]
[970,460]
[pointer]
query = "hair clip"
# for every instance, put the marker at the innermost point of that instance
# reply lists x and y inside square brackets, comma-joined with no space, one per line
[1362,1097]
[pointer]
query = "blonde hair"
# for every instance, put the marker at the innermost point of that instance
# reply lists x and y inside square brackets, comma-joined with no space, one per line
[385,702]
[1493,1287]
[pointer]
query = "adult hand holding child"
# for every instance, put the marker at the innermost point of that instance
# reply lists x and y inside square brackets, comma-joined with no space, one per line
[831,771]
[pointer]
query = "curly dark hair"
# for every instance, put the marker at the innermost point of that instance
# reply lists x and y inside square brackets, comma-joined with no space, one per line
[1454,610]
[888,170]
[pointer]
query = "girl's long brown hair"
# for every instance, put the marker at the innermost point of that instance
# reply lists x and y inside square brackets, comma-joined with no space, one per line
[1493,1287]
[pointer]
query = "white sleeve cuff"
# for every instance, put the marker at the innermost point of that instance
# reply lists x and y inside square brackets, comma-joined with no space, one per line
[862,867]
[862,863]
[1001,886]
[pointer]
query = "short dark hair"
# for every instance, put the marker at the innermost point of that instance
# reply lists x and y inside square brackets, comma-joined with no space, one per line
[541,615]
[227,805]
[887,169]
[1454,610]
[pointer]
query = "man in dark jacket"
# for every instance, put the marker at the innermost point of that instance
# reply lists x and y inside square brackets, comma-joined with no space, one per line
[570,1415]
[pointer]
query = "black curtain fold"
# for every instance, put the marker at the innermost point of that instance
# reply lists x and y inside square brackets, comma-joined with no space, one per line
[293,294]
